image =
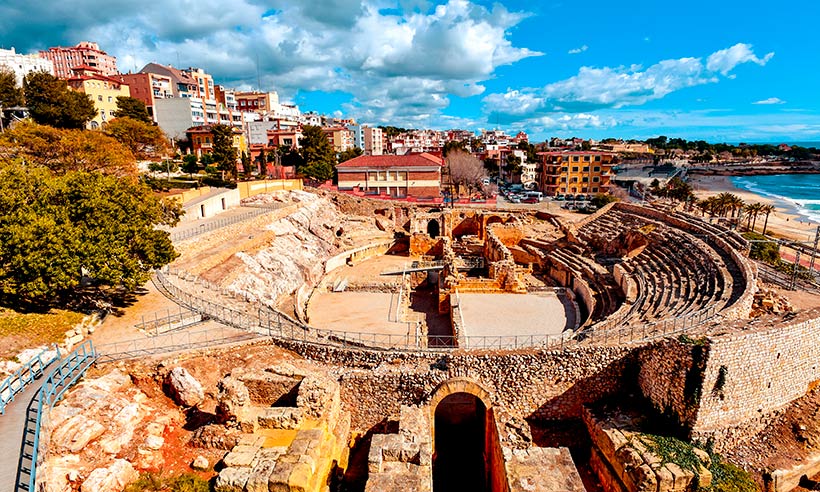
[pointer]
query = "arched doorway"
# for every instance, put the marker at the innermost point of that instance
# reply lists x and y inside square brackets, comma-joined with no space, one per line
[458,461]
[433,229]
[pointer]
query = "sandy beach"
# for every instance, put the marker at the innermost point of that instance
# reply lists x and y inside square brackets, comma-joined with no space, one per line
[784,222]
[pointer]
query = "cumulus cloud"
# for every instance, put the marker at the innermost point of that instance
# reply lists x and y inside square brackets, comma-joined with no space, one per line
[771,100]
[602,88]
[576,51]
[400,59]
[724,61]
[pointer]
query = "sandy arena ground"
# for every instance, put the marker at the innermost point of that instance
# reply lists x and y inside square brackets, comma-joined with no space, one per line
[493,315]
[365,312]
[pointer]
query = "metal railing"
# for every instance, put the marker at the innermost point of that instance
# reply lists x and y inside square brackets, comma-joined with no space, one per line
[170,342]
[262,320]
[156,325]
[224,222]
[58,381]
[25,375]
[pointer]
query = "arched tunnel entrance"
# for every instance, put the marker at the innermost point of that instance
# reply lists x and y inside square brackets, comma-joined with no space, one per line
[433,228]
[458,461]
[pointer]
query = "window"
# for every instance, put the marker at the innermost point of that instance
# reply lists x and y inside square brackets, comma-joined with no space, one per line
[597,158]
[575,169]
[564,169]
[575,158]
[595,179]
[99,98]
[110,99]
[574,179]
[586,158]
[585,179]
[586,169]
[597,169]
[595,189]
[564,179]
[584,189]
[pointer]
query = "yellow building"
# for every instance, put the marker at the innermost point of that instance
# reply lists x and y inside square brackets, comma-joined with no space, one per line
[575,172]
[102,89]
[202,140]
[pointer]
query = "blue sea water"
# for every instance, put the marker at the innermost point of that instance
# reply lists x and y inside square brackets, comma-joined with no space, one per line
[798,192]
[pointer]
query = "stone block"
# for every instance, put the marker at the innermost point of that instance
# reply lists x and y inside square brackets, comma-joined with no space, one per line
[240,456]
[260,475]
[278,481]
[280,418]
[232,479]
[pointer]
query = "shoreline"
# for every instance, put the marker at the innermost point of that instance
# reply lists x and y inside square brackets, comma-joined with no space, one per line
[784,222]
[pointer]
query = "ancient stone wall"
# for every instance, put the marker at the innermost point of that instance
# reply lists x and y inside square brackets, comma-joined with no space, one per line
[749,375]
[729,387]
[537,384]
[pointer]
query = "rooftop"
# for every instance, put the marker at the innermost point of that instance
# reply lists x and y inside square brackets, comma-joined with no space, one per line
[410,160]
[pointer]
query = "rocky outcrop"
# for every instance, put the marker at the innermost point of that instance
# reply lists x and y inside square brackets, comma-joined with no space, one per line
[112,478]
[184,388]
[233,401]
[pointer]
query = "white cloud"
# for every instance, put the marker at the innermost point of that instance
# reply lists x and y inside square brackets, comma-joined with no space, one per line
[771,100]
[400,62]
[576,51]
[601,88]
[724,61]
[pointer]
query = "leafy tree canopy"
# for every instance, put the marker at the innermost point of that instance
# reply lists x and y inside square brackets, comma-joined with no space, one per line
[318,154]
[51,102]
[224,153]
[55,228]
[143,139]
[350,154]
[67,150]
[131,107]
[10,94]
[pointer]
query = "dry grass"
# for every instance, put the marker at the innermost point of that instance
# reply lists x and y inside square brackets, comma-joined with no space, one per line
[23,330]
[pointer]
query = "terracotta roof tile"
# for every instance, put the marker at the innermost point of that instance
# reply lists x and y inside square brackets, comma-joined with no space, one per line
[385,161]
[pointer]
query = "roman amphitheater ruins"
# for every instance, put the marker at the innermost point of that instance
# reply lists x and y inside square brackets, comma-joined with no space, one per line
[394,346]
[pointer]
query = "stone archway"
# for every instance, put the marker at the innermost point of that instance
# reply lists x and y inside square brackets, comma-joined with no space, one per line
[433,228]
[461,410]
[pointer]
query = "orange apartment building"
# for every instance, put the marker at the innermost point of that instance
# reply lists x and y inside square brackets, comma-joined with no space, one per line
[397,176]
[575,172]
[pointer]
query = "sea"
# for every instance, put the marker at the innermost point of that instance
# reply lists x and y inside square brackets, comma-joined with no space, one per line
[799,193]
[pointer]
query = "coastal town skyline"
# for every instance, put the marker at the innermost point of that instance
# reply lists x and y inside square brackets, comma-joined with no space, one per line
[601,72]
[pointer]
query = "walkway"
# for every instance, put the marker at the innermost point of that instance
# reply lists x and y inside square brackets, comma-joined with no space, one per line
[12,424]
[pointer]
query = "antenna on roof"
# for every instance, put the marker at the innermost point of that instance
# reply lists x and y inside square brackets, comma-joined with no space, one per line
[258,74]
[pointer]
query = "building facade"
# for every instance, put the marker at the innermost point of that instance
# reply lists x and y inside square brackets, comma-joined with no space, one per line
[23,65]
[575,172]
[202,140]
[257,102]
[103,90]
[86,53]
[340,138]
[373,141]
[396,176]
[148,87]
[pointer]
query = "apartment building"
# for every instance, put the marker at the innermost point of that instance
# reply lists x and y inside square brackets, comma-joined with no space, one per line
[373,141]
[103,90]
[148,87]
[202,140]
[396,176]
[23,65]
[257,102]
[85,53]
[575,172]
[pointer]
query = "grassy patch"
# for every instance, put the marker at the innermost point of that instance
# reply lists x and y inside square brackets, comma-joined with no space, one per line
[156,482]
[726,477]
[21,330]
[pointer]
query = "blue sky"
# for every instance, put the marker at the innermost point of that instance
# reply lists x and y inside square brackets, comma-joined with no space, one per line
[722,70]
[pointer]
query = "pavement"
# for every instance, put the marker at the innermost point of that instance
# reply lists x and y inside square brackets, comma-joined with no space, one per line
[12,424]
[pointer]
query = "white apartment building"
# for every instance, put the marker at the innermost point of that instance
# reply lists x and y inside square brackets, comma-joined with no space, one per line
[22,65]
[373,141]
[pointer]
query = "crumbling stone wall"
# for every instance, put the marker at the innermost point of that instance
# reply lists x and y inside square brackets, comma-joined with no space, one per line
[536,384]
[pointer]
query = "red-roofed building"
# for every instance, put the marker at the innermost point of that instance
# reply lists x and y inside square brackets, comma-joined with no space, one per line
[398,176]
[66,59]
[103,90]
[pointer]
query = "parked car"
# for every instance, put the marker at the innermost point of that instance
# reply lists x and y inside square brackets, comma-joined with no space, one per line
[530,199]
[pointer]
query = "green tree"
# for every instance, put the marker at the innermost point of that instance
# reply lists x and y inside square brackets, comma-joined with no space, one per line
[451,146]
[350,154]
[189,164]
[143,139]
[10,94]
[131,107]
[67,150]
[55,229]
[224,153]
[51,102]
[318,154]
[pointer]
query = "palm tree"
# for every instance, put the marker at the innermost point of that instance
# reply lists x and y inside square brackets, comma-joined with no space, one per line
[753,210]
[767,209]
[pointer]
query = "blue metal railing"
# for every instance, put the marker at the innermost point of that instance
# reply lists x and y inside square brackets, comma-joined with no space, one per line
[24,376]
[59,380]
